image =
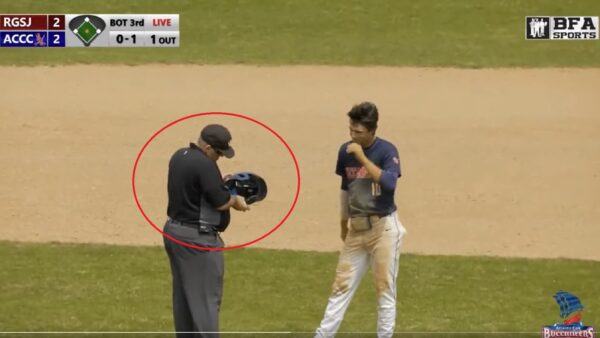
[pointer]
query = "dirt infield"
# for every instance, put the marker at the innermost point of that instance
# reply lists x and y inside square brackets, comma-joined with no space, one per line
[495,162]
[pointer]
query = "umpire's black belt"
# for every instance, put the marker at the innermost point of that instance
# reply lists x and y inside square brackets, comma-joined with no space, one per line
[202,228]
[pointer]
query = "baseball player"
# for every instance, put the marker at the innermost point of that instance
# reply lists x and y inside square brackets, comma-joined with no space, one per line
[198,210]
[372,234]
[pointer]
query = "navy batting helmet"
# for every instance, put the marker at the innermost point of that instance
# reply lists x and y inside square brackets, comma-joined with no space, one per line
[248,185]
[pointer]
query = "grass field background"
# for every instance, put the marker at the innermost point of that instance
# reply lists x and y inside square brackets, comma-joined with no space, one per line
[117,288]
[466,33]
[52,287]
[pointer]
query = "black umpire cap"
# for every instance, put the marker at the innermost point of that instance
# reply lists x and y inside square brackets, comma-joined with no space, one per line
[218,137]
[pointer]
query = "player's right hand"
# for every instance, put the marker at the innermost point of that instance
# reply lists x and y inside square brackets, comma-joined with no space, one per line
[344,234]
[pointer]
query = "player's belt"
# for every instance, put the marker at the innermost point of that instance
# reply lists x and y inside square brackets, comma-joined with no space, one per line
[202,228]
[374,217]
[360,223]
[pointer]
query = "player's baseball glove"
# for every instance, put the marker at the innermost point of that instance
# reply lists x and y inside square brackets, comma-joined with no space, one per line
[248,185]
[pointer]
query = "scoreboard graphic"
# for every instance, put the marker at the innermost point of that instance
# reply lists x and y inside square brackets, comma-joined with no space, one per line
[89,30]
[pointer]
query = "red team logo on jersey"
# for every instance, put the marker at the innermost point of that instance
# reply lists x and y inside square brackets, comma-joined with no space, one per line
[357,172]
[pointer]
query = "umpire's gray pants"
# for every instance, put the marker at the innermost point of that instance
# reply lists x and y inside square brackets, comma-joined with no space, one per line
[197,281]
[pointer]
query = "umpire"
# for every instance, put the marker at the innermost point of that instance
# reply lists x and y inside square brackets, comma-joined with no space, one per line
[198,210]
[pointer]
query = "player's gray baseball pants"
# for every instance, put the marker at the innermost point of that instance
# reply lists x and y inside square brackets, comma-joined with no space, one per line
[378,248]
[197,281]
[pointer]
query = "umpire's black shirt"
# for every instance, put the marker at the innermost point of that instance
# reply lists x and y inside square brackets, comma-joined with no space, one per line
[196,189]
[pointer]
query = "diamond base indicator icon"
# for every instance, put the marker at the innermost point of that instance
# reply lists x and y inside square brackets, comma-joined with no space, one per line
[87,28]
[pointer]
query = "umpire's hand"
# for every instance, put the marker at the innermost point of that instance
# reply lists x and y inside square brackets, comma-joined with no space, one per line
[239,204]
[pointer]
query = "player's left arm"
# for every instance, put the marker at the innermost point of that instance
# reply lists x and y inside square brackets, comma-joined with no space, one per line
[375,172]
[358,152]
[388,174]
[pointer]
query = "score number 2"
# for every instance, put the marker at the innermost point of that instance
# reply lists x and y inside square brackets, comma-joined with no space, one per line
[56,22]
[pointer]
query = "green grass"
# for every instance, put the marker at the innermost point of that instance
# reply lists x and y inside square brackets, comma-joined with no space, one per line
[463,33]
[69,287]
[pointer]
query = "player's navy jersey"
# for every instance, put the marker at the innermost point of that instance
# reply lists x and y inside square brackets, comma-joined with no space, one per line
[367,197]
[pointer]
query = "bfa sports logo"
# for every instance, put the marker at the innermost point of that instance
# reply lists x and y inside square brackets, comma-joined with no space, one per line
[537,27]
[570,312]
[561,28]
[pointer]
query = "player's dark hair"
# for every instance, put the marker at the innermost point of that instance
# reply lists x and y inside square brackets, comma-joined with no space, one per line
[366,114]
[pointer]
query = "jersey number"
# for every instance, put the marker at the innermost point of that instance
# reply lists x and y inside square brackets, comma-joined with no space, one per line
[375,189]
